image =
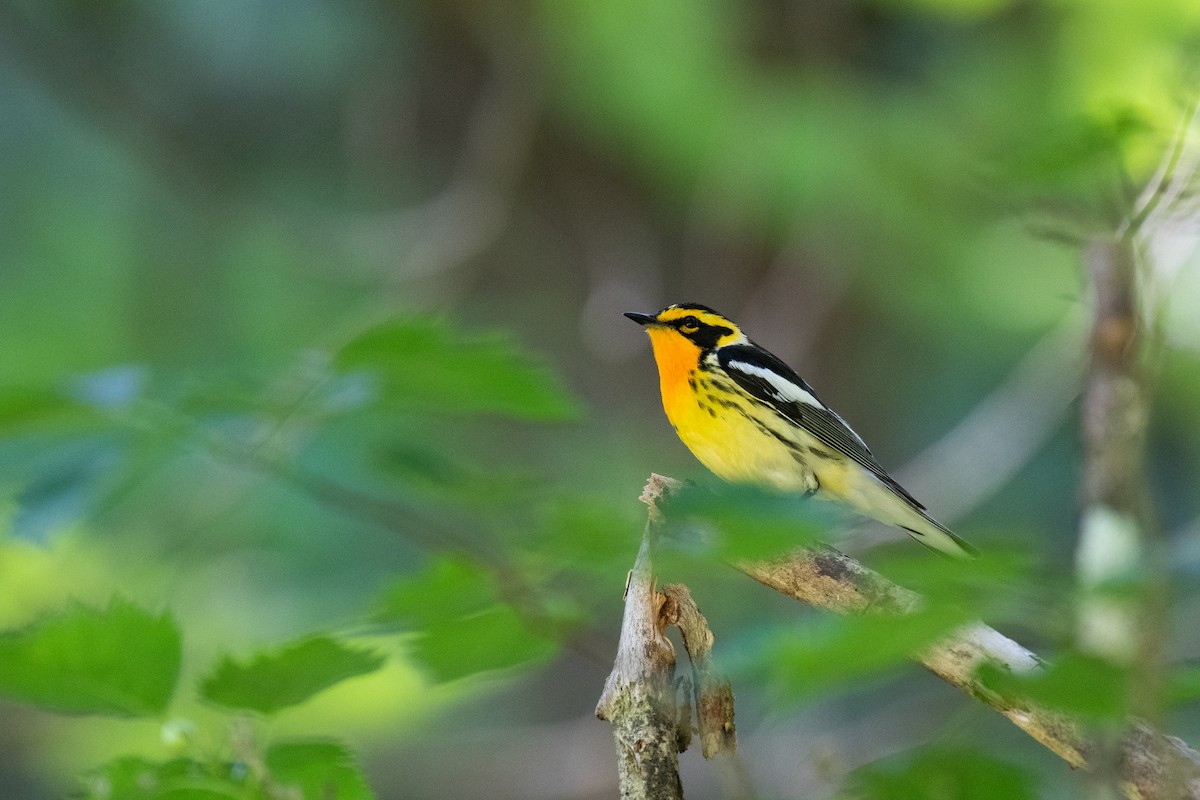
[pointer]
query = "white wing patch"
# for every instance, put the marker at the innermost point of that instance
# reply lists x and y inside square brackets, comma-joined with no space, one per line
[787,391]
[784,389]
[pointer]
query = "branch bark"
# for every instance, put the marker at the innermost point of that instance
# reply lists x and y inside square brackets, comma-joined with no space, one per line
[712,693]
[1153,766]
[711,690]
[639,695]
[650,727]
[1118,532]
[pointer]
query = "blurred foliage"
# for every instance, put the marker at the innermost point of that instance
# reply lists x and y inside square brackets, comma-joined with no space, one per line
[463,627]
[283,678]
[301,770]
[425,366]
[119,661]
[942,772]
[745,522]
[841,652]
[313,347]
[1087,686]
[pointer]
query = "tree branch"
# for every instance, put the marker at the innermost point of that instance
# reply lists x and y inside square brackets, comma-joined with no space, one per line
[639,695]
[712,692]
[650,727]
[1153,766]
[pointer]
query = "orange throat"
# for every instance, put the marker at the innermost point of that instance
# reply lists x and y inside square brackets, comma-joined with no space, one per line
[677,359]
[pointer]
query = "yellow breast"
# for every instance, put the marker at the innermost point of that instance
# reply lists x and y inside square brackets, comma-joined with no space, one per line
[726,432]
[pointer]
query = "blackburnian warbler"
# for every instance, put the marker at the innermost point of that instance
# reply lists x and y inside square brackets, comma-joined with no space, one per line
[751,419]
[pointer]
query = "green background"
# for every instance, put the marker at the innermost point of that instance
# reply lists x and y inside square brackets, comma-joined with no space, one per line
[321,431]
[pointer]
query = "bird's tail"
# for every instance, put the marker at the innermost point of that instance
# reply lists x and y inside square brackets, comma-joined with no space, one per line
[885,500]
[937,536]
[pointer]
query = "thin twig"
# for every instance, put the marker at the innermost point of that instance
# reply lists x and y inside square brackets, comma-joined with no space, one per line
[1166,182]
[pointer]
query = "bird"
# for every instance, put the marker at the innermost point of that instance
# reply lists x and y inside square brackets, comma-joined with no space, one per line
[750,419]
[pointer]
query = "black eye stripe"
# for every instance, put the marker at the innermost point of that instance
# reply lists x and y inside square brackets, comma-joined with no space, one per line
[706,334]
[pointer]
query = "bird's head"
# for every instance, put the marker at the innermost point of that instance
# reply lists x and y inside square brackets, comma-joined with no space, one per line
[697,324]
[684,331]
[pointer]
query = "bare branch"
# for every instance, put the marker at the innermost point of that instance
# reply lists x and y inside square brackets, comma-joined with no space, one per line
[650,727]
[1115,411]
[714,696]
[711,690]
[1153,766]
[826,578]
[639,695]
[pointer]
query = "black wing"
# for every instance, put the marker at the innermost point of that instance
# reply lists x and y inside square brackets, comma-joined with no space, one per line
[816,418]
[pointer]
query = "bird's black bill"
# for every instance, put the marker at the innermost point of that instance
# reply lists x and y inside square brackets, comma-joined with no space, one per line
[641,319]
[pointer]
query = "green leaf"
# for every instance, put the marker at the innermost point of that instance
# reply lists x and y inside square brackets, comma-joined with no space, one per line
[319,769]
[489,640]
[424,365]
[447,589]
[41,408]
[462,626]
[133,778]
[838,650]
[1184,685]
[121,661]
[991,587]
[956,773]
[287,676]
[751,522]
[129,778]
[1080,684]
[581,533]
[442,472]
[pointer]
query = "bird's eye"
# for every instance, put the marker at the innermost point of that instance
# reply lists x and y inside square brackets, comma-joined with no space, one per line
[689,324]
